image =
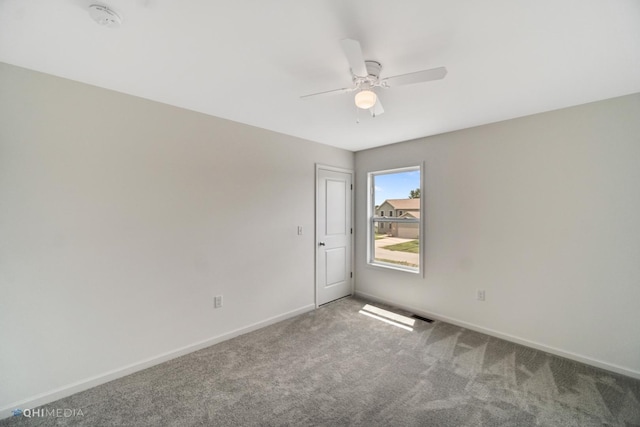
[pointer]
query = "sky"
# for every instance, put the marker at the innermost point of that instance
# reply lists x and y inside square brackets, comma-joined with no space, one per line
[395,185]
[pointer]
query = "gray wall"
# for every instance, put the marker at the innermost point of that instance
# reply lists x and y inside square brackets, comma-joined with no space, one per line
[121,218]
[543,213]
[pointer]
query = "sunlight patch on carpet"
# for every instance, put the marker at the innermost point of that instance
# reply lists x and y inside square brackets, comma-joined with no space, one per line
[389,317]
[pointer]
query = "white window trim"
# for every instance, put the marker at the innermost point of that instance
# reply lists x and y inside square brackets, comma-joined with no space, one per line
[371,212]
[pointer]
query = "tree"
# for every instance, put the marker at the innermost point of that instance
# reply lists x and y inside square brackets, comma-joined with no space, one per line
[414,194]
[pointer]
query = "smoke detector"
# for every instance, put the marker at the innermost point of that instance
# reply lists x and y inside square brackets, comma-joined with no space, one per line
[104,16]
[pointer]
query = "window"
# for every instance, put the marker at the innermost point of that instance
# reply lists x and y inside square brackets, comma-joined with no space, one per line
[395,242]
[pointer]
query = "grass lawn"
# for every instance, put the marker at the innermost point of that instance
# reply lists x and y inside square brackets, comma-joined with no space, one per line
[412,246]
[380,236]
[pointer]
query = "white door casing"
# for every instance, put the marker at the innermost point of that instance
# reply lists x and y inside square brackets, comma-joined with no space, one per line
[334,233]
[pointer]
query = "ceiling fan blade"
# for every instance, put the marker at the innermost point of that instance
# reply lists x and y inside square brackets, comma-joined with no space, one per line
[329,92]
[417,77]
[353,52]
[377,109]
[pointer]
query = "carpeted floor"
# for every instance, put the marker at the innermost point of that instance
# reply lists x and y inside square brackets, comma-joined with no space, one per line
[336,366]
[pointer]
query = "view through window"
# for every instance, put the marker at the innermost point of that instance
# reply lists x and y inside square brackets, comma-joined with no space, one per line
[394,223]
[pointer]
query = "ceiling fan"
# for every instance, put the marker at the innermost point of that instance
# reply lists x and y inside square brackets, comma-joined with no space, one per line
[366,77]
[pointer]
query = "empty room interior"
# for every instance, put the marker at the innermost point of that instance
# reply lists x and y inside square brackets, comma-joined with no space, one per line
[320,213]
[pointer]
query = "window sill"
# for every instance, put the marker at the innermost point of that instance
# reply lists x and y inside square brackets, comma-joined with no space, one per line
[389,266]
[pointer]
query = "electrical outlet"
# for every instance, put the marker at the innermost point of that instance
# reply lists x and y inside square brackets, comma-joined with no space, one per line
[480,294]
[299,230]
[217,301]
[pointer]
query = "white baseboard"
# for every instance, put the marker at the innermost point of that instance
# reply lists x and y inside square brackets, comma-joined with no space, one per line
[547,349]
[87,383]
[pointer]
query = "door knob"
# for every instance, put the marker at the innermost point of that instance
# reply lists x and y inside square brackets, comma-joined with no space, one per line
[321,244]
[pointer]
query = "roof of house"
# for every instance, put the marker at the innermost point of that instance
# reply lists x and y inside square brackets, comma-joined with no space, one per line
[413,214]
[403,203]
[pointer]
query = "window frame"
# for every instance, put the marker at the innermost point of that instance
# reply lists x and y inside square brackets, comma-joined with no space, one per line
[372,219]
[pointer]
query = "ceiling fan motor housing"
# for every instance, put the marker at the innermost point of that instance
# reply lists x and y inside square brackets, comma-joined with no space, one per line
[372,79]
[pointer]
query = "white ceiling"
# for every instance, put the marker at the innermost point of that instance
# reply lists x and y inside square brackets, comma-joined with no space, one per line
[251,60]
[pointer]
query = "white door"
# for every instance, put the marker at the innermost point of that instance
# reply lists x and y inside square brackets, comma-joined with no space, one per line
[334,234]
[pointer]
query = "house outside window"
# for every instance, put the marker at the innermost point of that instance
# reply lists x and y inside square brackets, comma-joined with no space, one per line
[398,244]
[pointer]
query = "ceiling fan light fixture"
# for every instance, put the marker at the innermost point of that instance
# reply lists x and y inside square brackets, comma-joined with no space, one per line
[366,99]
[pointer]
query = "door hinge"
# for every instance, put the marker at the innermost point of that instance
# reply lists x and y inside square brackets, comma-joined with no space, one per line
[352,274]
[352,186]
[352,231]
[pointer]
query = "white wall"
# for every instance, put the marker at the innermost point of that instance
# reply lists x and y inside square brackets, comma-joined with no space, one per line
[543,213]
[121,218]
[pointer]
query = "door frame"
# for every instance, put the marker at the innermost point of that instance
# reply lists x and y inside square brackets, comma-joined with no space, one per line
[320,167]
